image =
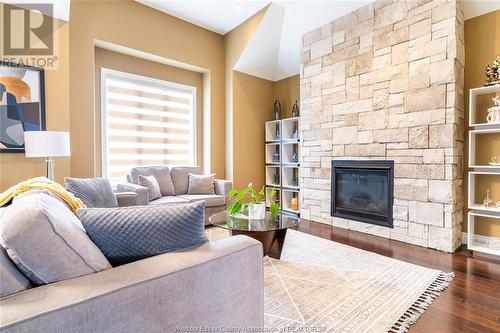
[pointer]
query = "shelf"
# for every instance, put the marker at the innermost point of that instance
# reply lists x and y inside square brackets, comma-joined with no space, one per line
[493,167]
[288,150]
[486,125]
[271,170]
[490,245]
[485,131]
[491,211]
[270,151]
[270,131]
[473,102]
[474,142]
[485,89]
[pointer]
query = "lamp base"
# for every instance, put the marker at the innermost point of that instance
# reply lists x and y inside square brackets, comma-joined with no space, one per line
[50,168]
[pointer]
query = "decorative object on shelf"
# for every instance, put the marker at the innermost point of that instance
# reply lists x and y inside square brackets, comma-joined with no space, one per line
[493,72]
[494,112]
[487,201]
[494,161]
[294,203]
[48,144]
[248,199]
[296,133]
[277,135]
[295,110]
[498,204]
[22,106]
[295,180]
[276,156]
[295,157]
[276,178]
[277,109]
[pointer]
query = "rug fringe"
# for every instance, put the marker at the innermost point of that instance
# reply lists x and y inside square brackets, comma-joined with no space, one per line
[411,315]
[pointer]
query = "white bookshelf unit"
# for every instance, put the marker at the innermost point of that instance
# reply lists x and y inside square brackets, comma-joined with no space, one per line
[482,131]
[283,136]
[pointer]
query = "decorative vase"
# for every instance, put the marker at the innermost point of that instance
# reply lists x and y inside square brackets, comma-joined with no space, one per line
[296,133]
[276,178]
[277,136]
[277,109]
[295,158]
[276,156]
[295,110]
[294,203]
[257,211]
[295,181]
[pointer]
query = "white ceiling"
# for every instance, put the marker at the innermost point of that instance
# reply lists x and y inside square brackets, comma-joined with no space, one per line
[217,16]
[60,9]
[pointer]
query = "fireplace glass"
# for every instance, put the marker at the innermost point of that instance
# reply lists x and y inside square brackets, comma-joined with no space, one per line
[362,191]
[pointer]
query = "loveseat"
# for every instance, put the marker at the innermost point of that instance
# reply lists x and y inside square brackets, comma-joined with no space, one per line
[178,291]
[179,178]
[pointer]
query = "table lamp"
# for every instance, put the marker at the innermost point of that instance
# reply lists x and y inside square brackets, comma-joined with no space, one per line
[48,144]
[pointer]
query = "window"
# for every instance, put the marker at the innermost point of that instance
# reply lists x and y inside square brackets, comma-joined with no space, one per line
[145,121]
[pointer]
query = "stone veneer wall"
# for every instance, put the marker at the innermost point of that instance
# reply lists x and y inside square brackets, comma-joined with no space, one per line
[386,82]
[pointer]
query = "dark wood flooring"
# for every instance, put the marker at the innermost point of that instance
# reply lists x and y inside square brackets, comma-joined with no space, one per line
[470,304]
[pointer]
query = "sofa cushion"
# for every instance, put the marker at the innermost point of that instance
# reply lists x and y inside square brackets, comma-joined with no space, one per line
[128,234]
[169,201]
[161,173]
[94,192]
[180,177]
[201,184]
[211,200]
[152,184]
[11,279]
[46,240]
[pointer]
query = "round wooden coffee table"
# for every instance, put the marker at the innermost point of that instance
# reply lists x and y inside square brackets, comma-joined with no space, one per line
[270,231]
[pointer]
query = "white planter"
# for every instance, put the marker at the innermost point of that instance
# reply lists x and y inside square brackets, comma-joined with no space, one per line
[257,211]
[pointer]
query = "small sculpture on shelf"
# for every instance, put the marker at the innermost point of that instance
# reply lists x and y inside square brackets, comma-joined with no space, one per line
[277,109]
[295,180]
[276,156]
[493,72]
[487,201]
[277,135]
[494,112]
[276,178]
[295,157]
[295,110]
[494,161]
[296,132]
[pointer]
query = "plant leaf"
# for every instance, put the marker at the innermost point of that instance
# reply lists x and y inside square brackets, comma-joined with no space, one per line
[274,209]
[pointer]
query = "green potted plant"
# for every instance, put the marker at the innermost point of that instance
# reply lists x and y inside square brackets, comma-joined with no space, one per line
[248,199]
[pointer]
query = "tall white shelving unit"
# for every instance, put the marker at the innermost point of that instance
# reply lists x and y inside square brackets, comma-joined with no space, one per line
[283,174]
[480,168]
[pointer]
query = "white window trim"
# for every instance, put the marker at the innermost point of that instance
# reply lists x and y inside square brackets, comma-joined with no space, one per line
[104,112]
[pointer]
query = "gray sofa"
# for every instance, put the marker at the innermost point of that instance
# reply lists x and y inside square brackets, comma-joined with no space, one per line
[178,177]
[217,284]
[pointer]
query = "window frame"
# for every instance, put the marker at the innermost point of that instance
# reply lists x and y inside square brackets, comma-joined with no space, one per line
[104,111]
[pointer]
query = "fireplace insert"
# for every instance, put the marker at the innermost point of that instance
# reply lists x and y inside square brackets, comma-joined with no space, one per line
[363,191]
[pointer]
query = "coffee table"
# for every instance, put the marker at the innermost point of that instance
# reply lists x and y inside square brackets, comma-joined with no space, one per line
[269,231]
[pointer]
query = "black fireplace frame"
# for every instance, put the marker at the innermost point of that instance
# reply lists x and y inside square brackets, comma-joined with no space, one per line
[364,164]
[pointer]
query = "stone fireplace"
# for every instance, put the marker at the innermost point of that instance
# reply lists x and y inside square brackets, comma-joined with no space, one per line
[386,83]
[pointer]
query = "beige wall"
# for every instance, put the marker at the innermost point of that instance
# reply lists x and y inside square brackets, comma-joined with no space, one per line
[235,42]
[113,60]
[252,107]
[482,43]
[15,167]
[288,91]
[128,24]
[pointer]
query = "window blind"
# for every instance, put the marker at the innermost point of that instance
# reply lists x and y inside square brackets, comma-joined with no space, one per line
[145,121]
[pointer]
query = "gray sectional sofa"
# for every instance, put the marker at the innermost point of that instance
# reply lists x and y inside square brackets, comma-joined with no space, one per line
[217,284]
[174,187]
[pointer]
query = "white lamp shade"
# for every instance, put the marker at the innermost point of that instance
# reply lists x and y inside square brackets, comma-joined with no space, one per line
[46,144]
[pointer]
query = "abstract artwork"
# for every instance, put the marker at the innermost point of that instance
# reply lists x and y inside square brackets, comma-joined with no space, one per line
[22,104]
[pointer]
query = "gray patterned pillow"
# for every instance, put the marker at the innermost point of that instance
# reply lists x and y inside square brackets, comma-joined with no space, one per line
[152,184]
[128,234]
[94,192]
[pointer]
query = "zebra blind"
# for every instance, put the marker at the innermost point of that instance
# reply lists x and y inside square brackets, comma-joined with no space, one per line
[145,121]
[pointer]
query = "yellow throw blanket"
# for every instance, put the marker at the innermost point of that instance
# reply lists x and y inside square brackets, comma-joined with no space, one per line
[42,184]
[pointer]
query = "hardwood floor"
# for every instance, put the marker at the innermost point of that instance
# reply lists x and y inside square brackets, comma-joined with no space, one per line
[470,304]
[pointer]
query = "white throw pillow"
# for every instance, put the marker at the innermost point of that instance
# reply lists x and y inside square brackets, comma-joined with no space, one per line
[46,240]
[201,184]
[152,184]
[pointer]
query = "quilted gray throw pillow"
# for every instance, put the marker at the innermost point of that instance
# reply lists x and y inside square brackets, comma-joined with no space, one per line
[127,234]
[94,192]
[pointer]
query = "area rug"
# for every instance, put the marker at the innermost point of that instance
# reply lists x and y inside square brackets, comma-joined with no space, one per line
[322,286]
